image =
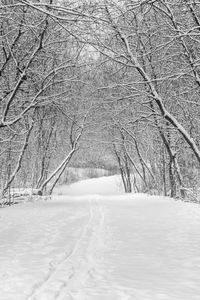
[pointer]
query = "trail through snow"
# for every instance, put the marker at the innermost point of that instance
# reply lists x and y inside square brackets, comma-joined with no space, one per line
[100,247]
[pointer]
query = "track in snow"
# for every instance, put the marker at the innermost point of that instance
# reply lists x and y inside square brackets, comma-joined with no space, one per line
[65,280]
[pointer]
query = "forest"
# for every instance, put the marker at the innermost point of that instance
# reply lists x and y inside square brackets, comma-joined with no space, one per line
[111,84]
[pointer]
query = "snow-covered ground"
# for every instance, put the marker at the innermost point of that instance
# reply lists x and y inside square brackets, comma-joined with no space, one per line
[107,185]
[100,246]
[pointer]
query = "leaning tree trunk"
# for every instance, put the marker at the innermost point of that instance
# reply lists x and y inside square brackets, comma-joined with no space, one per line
[153,92]
[64,163]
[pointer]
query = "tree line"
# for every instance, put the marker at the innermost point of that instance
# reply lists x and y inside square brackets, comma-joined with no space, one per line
[81,79]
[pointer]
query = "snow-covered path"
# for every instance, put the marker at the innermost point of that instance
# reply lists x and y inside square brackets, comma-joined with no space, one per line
[46,246]
[100,247]
[152,252]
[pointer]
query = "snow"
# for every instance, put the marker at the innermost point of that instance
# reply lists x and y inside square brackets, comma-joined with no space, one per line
[107,185]
[92,242]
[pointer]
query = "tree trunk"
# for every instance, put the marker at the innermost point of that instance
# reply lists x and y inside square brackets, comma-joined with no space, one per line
[154,94]
[19,162]
[63,163]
